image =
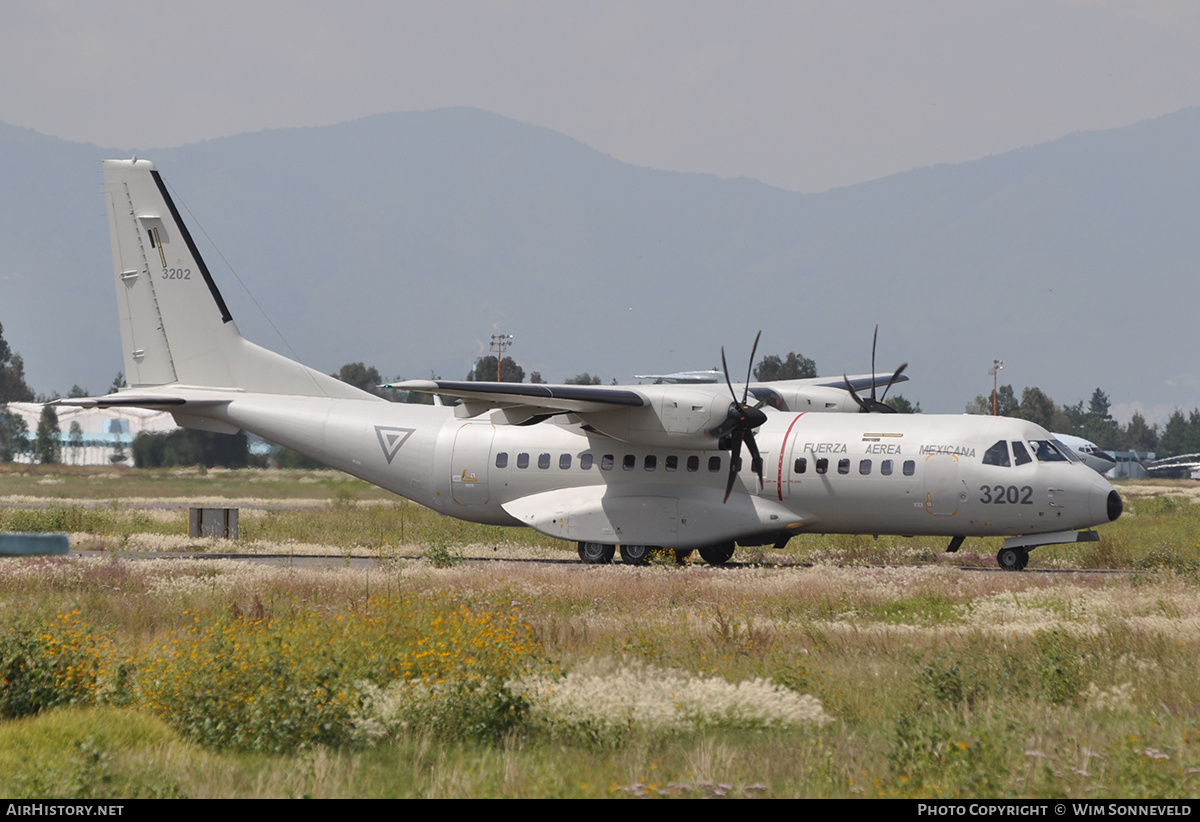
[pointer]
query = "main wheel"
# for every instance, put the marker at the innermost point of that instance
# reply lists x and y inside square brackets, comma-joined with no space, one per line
[1012,559]
[717,554]
[596,553]
[635,554]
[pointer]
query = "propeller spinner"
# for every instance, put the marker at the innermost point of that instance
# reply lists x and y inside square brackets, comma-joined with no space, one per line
[871,405]
[740,423]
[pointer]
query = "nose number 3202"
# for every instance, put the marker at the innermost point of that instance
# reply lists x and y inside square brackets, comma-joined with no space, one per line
[1007,494]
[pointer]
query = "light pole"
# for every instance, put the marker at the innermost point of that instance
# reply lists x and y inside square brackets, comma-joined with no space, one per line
[499,343]
[997,367]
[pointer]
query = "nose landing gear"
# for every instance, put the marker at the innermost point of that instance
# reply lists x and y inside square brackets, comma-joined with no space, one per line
[1012,559]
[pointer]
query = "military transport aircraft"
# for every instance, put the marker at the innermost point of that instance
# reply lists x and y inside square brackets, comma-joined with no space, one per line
[639,467]
[1090,454]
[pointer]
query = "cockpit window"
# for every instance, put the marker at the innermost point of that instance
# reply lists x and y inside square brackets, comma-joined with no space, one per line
[1020,454]
[1047,451]
[1071,455]
[997,455]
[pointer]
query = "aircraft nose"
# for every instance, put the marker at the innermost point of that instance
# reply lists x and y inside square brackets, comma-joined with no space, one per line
[1104,503]
[1115,506]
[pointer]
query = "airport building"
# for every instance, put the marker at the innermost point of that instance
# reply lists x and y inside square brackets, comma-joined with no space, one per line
[105,435]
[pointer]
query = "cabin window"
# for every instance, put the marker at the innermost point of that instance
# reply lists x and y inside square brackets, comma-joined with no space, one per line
[672,463]
[564,461]
[801,465]
[543,461]
[629,463]
[997,455]
[843,466]
[585,462]
[864,467]
[714,464]
[910,468]
[522,460]
[502,459]
[650,463]
[606,462]
[693,464]
[1020,454]
[885,468]
[822,465]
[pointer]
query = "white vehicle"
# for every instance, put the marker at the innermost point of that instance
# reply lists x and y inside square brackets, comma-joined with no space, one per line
[1092,455]
[639,467]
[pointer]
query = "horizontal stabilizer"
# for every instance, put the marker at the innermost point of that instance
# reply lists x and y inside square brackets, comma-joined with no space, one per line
[135,400]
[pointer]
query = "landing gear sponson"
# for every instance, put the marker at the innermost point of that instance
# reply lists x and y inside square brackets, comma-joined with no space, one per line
[1014,553]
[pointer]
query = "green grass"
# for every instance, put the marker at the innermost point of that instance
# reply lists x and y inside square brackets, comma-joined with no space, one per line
[51,482]
[212,678]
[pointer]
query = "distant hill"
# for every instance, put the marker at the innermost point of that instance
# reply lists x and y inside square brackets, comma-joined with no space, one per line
[403,239]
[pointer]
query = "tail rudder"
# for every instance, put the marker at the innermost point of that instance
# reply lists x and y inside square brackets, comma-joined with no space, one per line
[175,326]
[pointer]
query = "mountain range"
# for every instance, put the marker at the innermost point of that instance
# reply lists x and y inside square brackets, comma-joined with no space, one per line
[405,240]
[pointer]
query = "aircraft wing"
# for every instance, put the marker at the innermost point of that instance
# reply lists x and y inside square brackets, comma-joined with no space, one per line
[860,382]
[535,399]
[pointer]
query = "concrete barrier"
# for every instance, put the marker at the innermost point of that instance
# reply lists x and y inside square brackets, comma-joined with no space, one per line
[31,545]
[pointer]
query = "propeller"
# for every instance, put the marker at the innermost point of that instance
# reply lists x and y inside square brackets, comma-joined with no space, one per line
[871,405]
[739,424]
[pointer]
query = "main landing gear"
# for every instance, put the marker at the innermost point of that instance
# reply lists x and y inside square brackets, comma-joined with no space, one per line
[635,554]
[596,553]
[718,554]
[1012,559]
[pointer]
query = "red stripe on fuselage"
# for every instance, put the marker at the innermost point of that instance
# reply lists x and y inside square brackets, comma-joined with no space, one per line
[783,455]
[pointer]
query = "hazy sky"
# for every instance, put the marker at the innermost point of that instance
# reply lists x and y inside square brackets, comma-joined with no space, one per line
[802,95]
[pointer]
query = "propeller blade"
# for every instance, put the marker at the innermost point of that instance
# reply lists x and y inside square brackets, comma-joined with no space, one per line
[862,406]
[750,367]
[874,340]
[731,422]
[725,368]
[740,422]
[892,381]
[735,452]
[756,462]
[872,405]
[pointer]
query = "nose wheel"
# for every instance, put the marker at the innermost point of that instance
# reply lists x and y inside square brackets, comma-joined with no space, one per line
[1012,559]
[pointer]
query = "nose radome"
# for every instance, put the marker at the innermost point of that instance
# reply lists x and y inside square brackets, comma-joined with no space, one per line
[1115,506]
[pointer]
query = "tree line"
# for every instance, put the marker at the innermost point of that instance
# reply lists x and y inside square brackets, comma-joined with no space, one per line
[1180,435]
[1093,421]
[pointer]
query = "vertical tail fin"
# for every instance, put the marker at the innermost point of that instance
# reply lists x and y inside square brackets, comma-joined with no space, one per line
[175,326]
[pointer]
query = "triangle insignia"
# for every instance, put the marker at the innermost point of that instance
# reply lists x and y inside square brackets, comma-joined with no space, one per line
[390,439]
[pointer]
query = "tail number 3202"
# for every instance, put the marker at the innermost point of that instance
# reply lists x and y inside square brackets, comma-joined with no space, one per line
[177,274]
[1006,494]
